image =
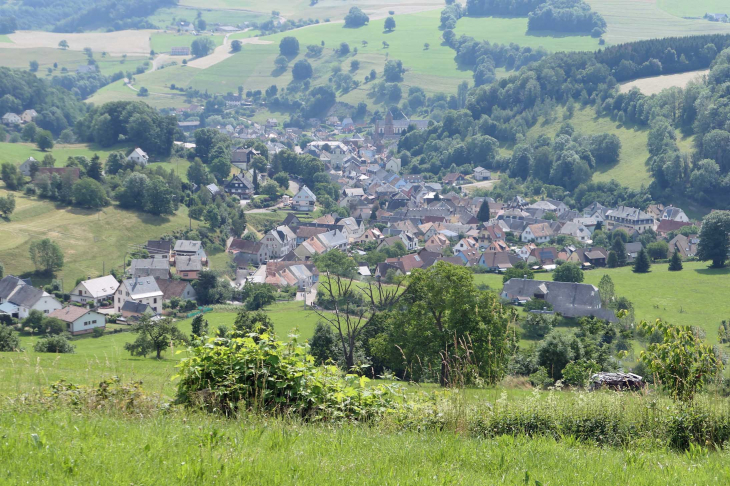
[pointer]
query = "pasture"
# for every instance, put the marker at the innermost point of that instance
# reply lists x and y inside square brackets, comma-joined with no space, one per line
[164,41]
[694,296]
[695,8]
[17,153]
[657,84]
[57,59]
[634,20]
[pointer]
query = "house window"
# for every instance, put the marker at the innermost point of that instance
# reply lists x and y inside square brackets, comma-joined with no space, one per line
[81,292]
[155,300]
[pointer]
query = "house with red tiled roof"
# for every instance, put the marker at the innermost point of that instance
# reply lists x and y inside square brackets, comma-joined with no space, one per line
[79,320]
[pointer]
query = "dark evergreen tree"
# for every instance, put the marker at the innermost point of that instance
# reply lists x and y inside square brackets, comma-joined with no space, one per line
[675,263]
[642,263]
[483,214]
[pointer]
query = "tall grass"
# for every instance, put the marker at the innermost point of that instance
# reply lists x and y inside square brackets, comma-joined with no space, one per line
[60,447]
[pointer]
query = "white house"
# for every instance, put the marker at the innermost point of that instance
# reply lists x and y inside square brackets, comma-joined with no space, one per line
[142,290]
[138,156]
[279,241]
[79,320]
[538,233]
[577,231]
[95,290]
[674,214]
[25,167]
[393,165]
[304,200]
[11,119]
[28,298]
[482,174]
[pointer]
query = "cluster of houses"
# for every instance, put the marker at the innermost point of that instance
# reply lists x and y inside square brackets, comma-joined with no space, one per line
[14,119]
[148,283]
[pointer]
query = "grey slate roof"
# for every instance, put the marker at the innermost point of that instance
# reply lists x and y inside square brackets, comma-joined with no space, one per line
[8,286]
[27,296]
[569,299]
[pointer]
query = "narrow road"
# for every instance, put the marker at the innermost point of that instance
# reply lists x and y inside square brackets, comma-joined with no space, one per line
[293,187]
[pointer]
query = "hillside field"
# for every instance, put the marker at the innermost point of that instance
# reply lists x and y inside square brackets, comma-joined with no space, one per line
[694,296]
[657,84]
[91,240]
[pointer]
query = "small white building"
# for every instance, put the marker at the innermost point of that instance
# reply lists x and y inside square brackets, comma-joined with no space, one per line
[482,174]
[25,167]
[538,233]
[141,291]
[139,157]
[28,116]
[95,290]
[304,200]
[393,165]
[79,320]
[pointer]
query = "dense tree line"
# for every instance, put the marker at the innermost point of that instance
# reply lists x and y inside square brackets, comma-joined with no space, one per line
[132,121]
[75,15]
[22,90]
[662,56]
[485,57]
[501,7]
[566,16]
[84,85]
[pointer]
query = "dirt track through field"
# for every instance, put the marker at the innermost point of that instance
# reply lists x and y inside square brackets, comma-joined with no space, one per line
[114,43]
[222,52]
[657,84]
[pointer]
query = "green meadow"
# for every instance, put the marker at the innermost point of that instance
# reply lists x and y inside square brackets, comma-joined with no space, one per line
[17,153]
[96,359]
[694,296]
[696,8]
[503,30]
[634,20]
[164,17]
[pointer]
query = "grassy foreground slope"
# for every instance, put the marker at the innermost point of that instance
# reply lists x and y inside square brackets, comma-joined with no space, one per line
[695,8]
[695,296]
[52,447]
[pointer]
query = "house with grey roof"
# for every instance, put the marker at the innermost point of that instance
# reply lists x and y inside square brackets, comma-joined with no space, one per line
[629,217]
[304,200]
[28,298]
[569,299]
[95,290]
[149,267]
[141,290]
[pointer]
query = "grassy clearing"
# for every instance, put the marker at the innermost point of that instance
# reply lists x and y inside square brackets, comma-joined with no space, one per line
[17,153]
[697,8]
[514,30]
[631,168]
[633,20]
[168,16]
[91,240]
[695,296]
[51,447]
[657,84]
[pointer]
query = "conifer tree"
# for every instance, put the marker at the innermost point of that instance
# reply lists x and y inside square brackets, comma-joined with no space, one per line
[675,264]
[642,263]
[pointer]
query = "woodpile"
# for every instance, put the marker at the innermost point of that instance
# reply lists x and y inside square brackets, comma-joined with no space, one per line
[617,381]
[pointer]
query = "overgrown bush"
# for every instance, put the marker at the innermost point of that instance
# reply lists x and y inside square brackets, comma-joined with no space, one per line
[8,340]
[54,344]
[259,373]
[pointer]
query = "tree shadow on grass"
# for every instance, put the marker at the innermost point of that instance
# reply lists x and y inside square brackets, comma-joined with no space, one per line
[38,279]
[713,271]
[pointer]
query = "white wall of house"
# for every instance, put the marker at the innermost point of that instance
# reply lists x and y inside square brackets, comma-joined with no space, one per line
[122,296]
[87,323]
[45,304]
